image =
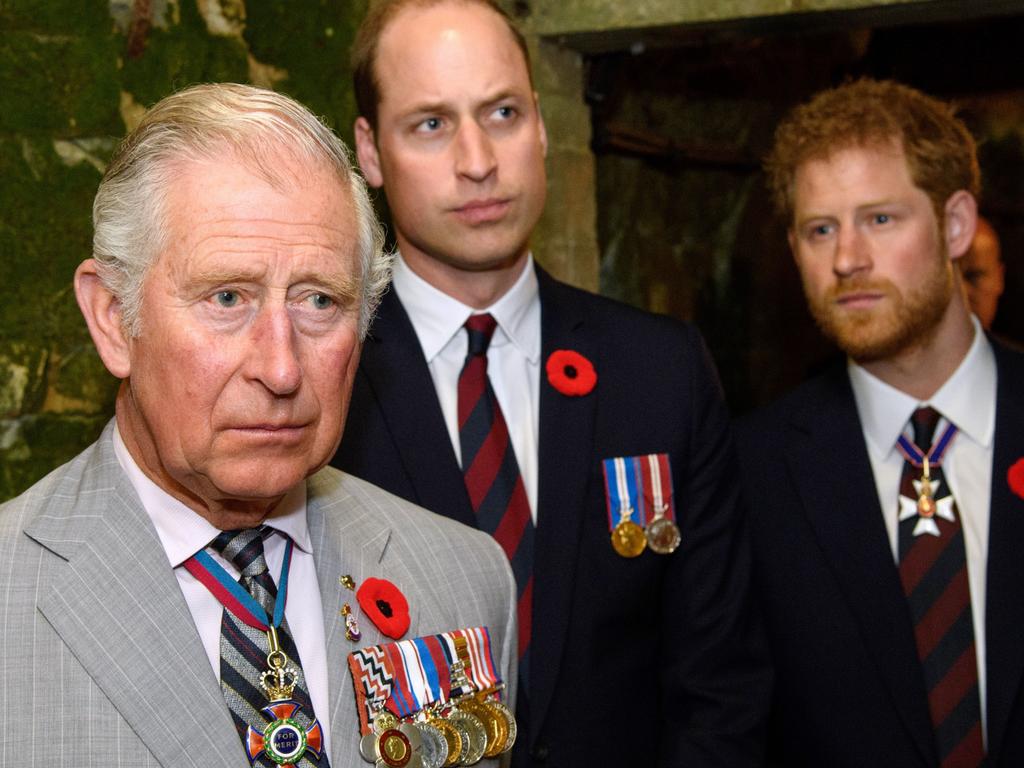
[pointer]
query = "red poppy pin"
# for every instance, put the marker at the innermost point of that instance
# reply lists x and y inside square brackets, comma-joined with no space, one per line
[570,373]
[1015,477]
[385,605]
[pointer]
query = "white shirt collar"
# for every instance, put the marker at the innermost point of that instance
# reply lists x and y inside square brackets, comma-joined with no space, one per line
[183,531]
[437,317]
[967,399]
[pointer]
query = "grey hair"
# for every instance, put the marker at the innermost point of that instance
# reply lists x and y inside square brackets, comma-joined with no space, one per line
[203,122]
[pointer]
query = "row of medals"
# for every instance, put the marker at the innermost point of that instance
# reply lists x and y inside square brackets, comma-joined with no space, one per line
[629,539]
[461,732]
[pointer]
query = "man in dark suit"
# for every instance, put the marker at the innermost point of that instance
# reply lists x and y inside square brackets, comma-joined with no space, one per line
[886,519]
[630,653]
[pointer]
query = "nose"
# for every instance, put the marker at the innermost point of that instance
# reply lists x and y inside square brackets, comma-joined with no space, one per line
[273,357]
[852,254]
[475,158]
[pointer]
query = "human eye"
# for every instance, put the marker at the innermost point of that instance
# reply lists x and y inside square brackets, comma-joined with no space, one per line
[881,218]
[429,125]
[320,301]
[819,230]
[227,298]
[505,112]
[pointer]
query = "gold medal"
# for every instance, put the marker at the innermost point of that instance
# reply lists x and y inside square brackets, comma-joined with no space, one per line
[452,737]
[663,535]
[925,500]
[494,725]
[628,538]
[510,722]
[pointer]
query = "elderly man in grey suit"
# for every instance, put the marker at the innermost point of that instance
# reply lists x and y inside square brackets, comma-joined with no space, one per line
[191,589]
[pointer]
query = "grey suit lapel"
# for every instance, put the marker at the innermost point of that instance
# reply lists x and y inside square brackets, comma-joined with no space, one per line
[116,604]
[828,461]
[348,539]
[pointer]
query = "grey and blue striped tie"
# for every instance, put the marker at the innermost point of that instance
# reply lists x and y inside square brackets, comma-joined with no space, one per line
[243,649]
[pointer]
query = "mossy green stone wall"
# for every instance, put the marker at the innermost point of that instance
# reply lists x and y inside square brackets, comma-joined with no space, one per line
[74,76]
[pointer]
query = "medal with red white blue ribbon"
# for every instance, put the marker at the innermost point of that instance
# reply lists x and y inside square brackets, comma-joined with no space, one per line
[284,740]
[622,483]
[926,506]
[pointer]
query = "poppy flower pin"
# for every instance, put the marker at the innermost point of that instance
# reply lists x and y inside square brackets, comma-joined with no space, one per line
[570,373]
[385,605]
[1015,477]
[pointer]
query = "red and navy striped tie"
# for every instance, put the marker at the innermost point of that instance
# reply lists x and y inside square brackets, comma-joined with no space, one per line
[933,570]
[491,472]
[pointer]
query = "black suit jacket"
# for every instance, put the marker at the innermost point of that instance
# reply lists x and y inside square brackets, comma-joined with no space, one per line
[649,661]
[849,688]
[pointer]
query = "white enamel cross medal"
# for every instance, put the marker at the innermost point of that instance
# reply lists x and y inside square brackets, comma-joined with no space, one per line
[925,507]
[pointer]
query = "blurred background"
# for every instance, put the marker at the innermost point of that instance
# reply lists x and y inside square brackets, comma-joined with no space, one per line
[658,112]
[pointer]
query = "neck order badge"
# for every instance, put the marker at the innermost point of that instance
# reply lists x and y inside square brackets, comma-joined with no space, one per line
[284,740]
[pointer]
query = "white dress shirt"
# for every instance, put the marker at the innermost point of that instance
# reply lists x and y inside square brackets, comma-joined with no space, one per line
[513,357]
[968,400]
[183,533]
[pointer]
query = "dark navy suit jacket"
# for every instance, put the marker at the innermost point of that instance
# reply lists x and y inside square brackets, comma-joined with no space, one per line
[849,688]
[649,661]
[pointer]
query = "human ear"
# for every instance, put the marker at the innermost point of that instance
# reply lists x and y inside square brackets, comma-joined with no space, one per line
[540,125]
[961,220]
[366,152]
[102,311]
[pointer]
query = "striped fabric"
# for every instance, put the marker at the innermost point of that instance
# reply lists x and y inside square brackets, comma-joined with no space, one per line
[933,570]
[243,649]
[491,471]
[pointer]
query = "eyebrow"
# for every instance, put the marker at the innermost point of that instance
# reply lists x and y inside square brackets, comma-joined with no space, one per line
[428,107]
[345,287]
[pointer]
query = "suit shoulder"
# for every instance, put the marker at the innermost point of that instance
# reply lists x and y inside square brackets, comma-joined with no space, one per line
[426,531]
[53,494]
[764,424]
[612,311]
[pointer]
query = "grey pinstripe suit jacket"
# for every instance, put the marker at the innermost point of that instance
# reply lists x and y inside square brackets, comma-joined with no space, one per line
[101,664]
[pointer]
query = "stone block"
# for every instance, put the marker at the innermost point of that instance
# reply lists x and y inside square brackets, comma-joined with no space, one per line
[58,85]
[180,55]
[76,17]
[313,48]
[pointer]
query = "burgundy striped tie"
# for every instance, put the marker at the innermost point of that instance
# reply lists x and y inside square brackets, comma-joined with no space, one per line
[491,472]
[933,570]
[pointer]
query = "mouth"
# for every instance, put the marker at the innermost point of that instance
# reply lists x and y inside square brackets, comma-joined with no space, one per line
[861,299]
[271,432]
[483,211]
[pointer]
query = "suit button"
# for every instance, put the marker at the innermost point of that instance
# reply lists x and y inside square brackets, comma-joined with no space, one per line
[540,753]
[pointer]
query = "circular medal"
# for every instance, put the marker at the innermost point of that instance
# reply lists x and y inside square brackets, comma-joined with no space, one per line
[628,539]
[476,732]
[435,748]
[452,738]
[494,725]
[394,748]
[663,536]
[284,741]
[368,747]
[510,721]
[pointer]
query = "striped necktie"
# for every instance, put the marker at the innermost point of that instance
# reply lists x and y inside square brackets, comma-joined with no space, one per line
[491,472]
[933,569]
[243,649]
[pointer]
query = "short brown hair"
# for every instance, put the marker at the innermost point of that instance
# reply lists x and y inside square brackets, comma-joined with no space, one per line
[364,48]
[940,151]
